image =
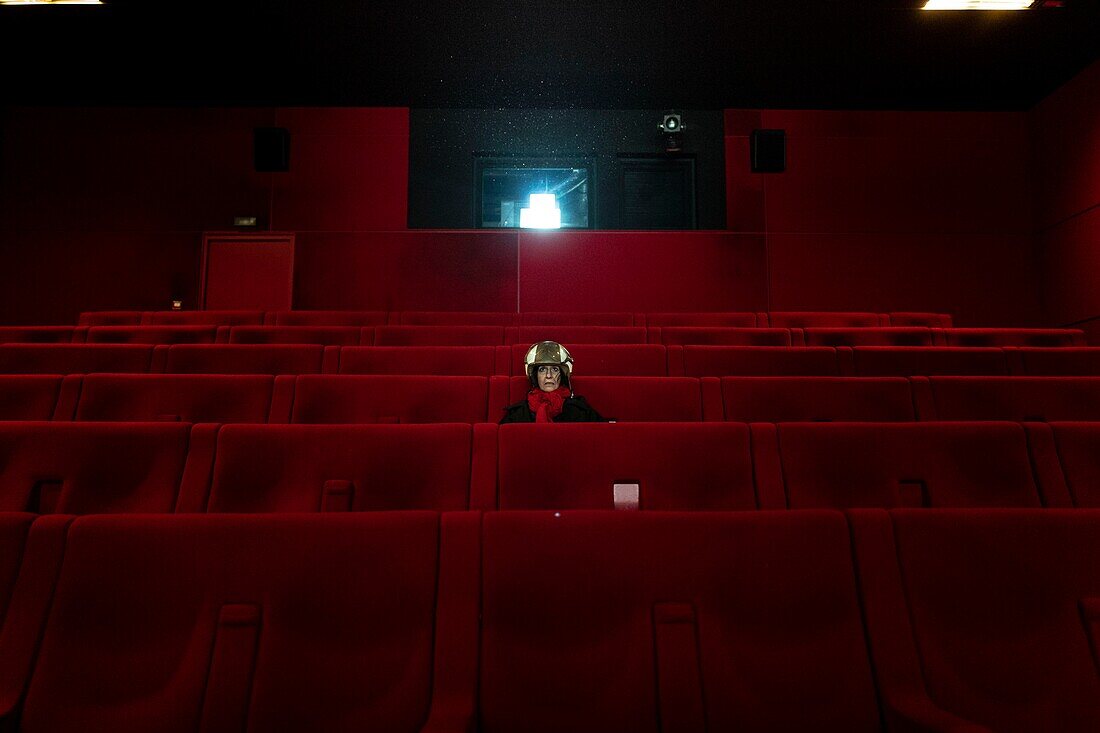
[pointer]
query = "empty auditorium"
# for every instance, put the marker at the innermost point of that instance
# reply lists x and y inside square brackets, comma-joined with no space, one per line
[628,366]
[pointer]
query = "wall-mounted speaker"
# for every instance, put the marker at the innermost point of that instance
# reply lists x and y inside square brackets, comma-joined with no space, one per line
[271,149]
[769,151]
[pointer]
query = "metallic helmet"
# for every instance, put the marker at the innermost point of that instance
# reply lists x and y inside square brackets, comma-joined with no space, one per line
[548,353]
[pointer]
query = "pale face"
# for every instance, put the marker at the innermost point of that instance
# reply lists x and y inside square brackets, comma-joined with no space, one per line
[549,378]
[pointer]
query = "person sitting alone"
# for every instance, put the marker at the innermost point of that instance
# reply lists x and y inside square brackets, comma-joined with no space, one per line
[550,370]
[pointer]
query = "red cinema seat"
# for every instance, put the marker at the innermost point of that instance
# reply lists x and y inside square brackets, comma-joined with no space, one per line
[475,361]
[891,361]
[374,398]
[1045,337]
[990,614]
[200,622]
[244,359]
[570,335]
[110,318]
[708,320]
[322,335]
[789,399]
[1067,361]
[721,361]
[1078,452]
[75,358]
[652,466]
[707,336]
[841,465]
[553,318]
[452,318]
[632,399]
[931,320]
[654,621]
[339,468]
[152,335]
[84,468]
[202,318]
[1035,399]
[14,528]
[823,319]
[439,336]
[912,336]
[177,397]
[609,360]
[36,334]
[358,319]
[29,397]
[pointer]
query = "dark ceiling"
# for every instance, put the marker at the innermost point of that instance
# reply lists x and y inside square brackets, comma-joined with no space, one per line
[558,53]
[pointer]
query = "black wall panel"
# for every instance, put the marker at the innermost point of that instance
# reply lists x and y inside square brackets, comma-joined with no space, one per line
[445,144]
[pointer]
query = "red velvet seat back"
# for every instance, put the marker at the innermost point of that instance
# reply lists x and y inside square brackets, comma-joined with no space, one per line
[29,397]
[390,399]
[312,468]
[570,335]
[1013,337]
[1078,447]
[701,466]
[203,318]
[176,397]
[14,527]
[475,361]
[82,468]
[633,399]
[722,361]
[715,336]
[36,334]
[327,318]
[788,399]
[324,335]
[188,623]
[889,361]
[439,336]
[843,465]
[911,336]
[152,334]
[244,359]
[1000,608]
[1012,398]
[639,621]
[75,358]
[1082,361]
[607,360]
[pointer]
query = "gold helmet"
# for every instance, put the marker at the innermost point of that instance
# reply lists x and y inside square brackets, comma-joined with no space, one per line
[548,353]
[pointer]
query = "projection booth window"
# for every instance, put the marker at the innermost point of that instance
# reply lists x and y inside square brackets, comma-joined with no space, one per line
[535,194]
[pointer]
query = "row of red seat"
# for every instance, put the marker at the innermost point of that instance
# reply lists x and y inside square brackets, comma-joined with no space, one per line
[525,335]
[934,620]
[76,468]
[326,399]
[781,319]
[611,360]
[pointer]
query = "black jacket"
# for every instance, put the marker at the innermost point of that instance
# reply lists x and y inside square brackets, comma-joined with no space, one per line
[574,409]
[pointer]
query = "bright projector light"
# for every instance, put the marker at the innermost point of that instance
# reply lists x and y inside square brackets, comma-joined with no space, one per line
[542,213]
[978,4]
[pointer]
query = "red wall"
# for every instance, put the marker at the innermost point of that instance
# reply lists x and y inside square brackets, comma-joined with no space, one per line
[890,211]
[1066,149]
[104,208]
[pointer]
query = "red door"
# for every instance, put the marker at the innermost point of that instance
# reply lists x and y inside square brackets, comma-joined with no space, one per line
[247,271]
